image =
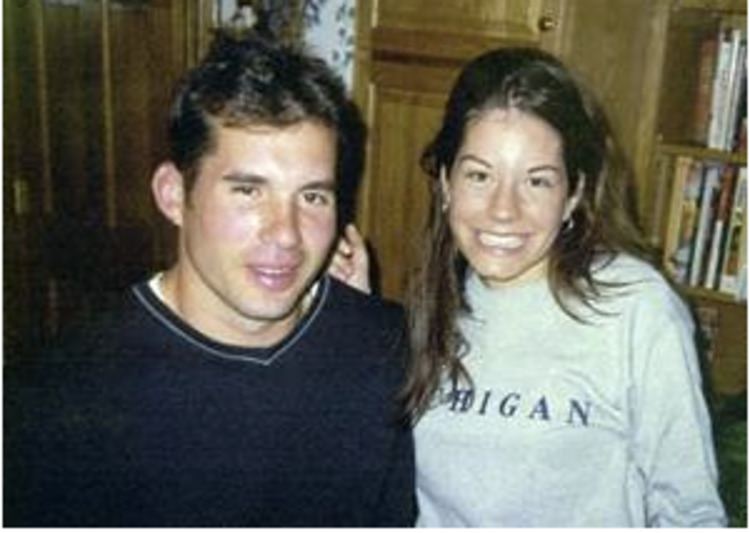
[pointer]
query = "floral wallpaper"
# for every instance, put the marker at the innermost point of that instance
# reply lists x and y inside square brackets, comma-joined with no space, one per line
[329,27]
[326,26]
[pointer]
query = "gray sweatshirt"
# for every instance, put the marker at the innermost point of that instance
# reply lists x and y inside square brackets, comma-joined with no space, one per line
[570,424]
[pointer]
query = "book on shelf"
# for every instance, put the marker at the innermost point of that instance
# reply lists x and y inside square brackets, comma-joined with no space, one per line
[734,256]
[718,232]
[728,79]
[683,211]
[738,80]
[705,227]
[739,140]
[676,215]
[707,57]
[707,204]
[664,188]
[740,292]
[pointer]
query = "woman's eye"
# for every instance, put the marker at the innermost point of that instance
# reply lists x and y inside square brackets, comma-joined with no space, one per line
[477,176]
[540,181]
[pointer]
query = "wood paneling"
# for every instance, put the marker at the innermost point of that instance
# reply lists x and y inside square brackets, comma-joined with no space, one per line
[87,86]
[512,20]
[399,196]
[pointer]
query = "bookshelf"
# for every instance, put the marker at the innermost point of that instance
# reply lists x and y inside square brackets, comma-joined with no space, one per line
[695,207]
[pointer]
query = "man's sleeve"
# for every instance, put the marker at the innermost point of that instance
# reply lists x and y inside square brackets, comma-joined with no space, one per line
[397,503]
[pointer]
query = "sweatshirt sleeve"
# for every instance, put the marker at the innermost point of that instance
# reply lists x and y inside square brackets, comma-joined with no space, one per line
[672,439]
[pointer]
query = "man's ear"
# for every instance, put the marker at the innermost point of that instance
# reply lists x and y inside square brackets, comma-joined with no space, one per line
[575,199]
[168,188]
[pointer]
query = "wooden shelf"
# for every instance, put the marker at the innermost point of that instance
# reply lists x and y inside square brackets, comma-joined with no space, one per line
[721,317]
[727,6]
[713,296]
[700,152]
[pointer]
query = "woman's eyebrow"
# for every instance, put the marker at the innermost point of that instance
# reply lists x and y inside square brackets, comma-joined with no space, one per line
[473,158]
[543,167]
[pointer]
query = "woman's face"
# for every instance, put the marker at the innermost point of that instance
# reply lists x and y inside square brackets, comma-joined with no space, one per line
[507,196]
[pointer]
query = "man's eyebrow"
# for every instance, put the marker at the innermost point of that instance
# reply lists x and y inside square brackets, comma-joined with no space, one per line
[257,179]
[326,185]
[239,177]
[473,158]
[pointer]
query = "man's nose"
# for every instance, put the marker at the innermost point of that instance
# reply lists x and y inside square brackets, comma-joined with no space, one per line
[282,225]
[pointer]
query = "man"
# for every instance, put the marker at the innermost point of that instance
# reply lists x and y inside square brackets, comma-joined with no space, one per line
[241,387]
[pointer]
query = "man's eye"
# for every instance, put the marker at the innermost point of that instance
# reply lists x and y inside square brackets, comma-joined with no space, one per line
[247,190]
[317,198]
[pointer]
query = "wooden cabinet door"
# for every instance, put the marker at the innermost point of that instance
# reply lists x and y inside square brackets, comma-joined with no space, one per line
[408,55]
[406,109]
[87,88]
[458,29]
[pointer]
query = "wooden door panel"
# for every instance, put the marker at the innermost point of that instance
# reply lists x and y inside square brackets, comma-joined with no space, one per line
[404,108]
[453,32]
[142,72]
[139,99]
[398,193]
[25,179]
[508,19]
[72,71]
[87,86]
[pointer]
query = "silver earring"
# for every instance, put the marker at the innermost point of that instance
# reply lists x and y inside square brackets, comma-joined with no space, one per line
[568,224]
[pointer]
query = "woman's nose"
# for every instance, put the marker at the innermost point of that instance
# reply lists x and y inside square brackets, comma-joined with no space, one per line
[504,201]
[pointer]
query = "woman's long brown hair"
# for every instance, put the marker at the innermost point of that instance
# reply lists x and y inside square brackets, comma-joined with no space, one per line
[533,82]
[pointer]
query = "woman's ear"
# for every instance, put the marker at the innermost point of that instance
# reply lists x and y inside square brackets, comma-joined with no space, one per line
[168,188]
[575,199]
[444,189]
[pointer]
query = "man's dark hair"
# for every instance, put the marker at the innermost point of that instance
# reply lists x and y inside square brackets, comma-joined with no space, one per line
[252,81]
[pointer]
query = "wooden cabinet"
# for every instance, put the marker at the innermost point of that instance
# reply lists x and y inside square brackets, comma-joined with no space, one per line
[626,51]
[86,93]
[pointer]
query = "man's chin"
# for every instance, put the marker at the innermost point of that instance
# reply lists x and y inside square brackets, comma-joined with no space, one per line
[280,305]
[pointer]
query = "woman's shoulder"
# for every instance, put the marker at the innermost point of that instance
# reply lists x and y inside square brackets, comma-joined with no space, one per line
[628,269]
[634,283]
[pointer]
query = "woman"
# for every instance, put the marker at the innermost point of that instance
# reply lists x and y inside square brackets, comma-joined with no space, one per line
[554,379]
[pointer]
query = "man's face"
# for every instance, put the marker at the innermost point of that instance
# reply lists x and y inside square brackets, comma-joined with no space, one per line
[256,229]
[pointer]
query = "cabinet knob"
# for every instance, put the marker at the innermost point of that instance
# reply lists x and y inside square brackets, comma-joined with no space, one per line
[547,23]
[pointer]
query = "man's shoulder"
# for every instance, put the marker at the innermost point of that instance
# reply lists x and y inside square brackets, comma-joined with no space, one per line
[346,299]
[350,317]
[99,328]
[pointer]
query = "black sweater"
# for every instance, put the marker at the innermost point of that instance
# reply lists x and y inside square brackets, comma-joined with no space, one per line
[143,421]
